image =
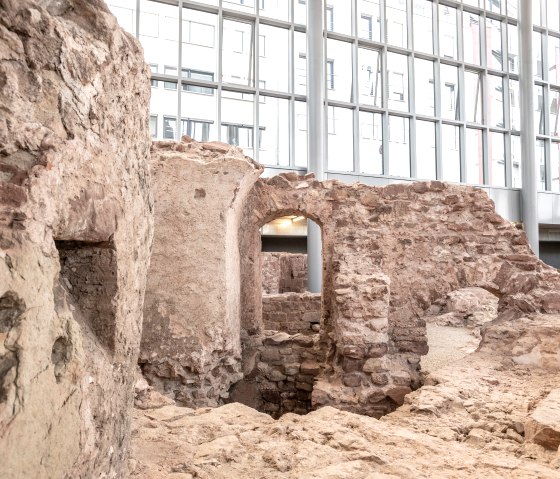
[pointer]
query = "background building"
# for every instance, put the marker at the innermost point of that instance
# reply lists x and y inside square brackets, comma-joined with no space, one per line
[414,89]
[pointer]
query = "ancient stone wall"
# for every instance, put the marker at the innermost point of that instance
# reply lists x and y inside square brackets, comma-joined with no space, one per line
[191,347]
[280,375]
[292,312]
[388,254]
[75,235]
[284,272]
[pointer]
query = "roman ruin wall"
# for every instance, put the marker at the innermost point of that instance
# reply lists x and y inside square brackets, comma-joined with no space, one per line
[191,348]
[388,254]
[292,312]
[75,235]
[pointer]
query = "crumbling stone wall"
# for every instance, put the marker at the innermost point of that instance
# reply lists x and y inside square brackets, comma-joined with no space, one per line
[280,373]
[284,272]
[388,254]
[74,143]
[191,348]
[292,312]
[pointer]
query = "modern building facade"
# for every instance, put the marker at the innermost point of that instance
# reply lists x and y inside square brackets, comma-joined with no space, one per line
[408,89]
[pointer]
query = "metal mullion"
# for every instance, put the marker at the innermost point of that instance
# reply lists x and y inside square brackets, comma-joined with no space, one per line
[435,28]
[291,89]
[507,127]
[325,159]
[355,90]
[547,166]
[256,79]
[439,149]
[410,32]
[412,110]
[220,73]
[485,156]
[460,40]
[274,22]
[382,25]
[180,74]
[200,7]
[238,16]
[385,106]
[463,153]
[137,19]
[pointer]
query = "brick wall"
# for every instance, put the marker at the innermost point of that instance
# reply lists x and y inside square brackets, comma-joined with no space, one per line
[292,312]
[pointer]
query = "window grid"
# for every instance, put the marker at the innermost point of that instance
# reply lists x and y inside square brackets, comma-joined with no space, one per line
[506,16]
[550,141]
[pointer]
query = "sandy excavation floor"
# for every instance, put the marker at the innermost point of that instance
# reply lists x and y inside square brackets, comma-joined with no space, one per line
[447,344]
[468,421]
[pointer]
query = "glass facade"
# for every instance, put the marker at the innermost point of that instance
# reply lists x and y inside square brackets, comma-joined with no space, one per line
[414,88]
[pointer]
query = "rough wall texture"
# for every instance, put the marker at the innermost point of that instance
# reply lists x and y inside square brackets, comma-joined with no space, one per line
[191,338]
[292,312]
[279,372]
[388,254]
[284,272]
[74,143]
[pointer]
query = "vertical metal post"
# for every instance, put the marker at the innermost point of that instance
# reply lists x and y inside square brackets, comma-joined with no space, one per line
[528,166]
[315,130]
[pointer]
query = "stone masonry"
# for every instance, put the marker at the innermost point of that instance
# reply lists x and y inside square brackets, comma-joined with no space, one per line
[191,348]
[75,236]
[284,272]
[388,254]
[292,312]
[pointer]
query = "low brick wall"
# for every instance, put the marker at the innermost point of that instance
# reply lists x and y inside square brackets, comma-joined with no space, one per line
[282,373]
[284,272]
[292,312]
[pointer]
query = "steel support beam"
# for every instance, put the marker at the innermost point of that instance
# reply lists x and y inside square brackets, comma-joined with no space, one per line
[315,130]
[529,209]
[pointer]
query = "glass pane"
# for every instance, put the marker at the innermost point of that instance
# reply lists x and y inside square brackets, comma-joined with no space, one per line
[555,166]
[274,129]
[553,60]
[396,23]
[515,111]
[539,110]
[397,72]
[339,70]
[512,8]
[238,52]
[339,16]
[247,6]
[553,14]
[154,126]
[279,9]
[495,101]
[198,113]
[424,84]
[125,11]
[423,38]
[539,159]
[369,71]
[451,163]
[300,139]
[537,12]
[274,58]
[497,166]
[516,161]
[300,12]
[449,92]
[537,55]
[340,139]
[369,20]
[474,3]
[513,53]
[425,150]
[237,120]
[473,97]
[554,98]
[159,34]
[371,143]
[494,54]
[471,38]
[447,31]
[494,5]
[474,166]
[300,59]
[163,105]
[200,40]
[399,146]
